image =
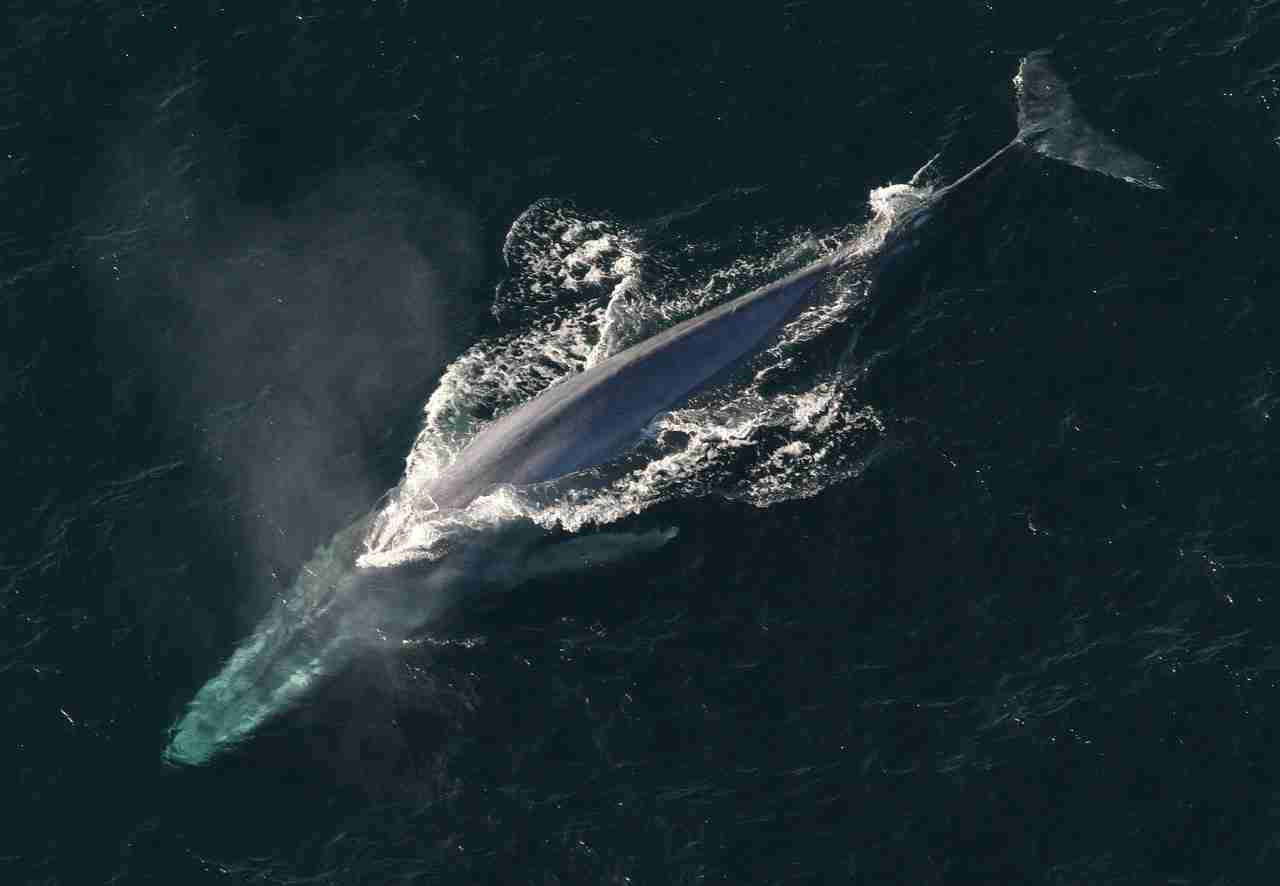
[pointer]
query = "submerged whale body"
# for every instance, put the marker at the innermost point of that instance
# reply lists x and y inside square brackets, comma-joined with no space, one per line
[579,423]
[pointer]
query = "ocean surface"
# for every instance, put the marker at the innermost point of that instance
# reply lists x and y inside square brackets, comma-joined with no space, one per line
[972,578]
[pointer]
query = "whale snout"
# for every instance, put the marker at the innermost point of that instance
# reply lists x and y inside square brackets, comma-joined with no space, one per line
[192,741]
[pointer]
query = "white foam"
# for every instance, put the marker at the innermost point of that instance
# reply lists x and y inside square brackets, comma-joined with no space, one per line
[584,286]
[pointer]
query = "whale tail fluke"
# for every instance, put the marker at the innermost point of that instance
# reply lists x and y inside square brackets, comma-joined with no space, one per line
[1049,124]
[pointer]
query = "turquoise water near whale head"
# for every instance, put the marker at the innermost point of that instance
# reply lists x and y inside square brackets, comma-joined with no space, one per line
[969,578]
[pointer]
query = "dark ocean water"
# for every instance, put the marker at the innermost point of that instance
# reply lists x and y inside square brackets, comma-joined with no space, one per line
[1033,639]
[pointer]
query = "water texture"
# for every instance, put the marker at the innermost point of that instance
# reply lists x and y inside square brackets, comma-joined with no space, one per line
[971,579]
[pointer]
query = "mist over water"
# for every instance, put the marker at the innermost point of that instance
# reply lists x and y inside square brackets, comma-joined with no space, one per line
[967,580]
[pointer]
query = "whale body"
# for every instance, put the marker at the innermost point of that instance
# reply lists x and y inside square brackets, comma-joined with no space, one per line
[596,414]
[579,423]
[592,416]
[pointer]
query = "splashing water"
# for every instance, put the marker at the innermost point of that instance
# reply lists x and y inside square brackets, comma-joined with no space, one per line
[583,289]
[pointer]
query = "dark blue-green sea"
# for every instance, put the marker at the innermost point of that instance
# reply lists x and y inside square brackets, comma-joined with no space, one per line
[970,577]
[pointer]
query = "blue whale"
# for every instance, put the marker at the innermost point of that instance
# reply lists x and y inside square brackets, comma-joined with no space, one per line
[579,423]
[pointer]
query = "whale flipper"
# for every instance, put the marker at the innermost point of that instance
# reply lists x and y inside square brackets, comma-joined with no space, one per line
[1049,124]
[600,549]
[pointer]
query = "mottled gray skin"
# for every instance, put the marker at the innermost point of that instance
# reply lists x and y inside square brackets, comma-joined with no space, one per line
[592,416]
